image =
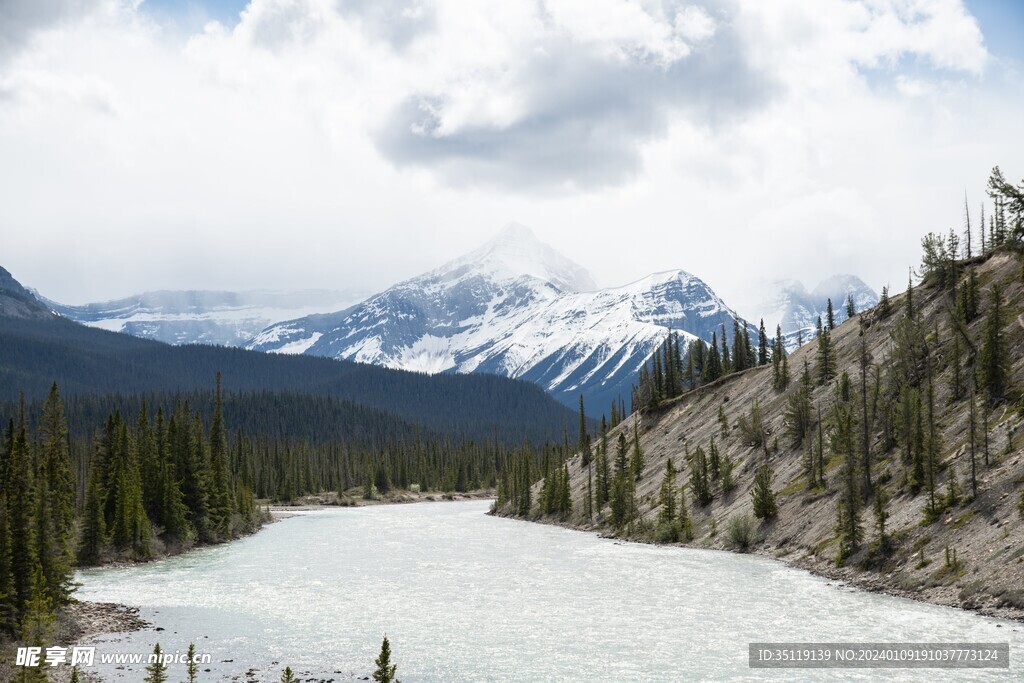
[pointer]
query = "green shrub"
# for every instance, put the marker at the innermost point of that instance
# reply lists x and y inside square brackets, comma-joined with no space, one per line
[741,531]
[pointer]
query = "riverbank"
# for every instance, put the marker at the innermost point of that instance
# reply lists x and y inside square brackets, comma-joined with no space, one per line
[891,584]
[403,569]
[83,619]
[332,500]
[75,623]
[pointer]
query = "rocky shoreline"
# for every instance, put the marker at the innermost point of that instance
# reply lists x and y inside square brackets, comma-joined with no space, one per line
[870,581]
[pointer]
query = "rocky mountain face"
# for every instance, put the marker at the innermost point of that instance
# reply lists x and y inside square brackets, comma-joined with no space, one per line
[18,302]
[517,308]
[797,310]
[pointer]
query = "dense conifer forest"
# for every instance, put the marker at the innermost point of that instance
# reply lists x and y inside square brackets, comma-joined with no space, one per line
[152,478]
[89,362]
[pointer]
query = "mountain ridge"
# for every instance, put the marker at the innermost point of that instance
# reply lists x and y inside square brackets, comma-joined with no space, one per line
[517,308]
[46,347]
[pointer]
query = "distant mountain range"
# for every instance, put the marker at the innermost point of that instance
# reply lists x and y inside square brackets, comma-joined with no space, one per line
[797,310]
[515,307]
[39,346]
[204,317]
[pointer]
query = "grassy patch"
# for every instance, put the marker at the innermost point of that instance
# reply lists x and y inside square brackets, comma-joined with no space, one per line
[797,485]
[963,519]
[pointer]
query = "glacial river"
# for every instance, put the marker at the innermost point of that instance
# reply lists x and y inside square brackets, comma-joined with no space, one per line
[467,597]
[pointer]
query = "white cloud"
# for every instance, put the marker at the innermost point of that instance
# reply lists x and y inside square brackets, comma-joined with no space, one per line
[321,143]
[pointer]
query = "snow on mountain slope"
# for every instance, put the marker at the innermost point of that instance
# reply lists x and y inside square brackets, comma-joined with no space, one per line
[797,310]
[514,307]
[204,317]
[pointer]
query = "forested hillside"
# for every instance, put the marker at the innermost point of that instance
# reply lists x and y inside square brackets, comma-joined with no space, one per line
[888,451]
[87,361]
[151,479]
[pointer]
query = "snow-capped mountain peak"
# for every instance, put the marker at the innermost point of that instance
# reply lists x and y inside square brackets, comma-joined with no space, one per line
[796,310]
[516,252]
[518,308]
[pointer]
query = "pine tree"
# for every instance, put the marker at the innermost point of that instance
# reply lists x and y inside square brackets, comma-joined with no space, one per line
[727,360]
[932,452]
[93,536]
[881,503]
[174,512]
[884,304]
[288,676]
[714,365]
[667,495]
[728,482]
[851,309]
[971,439]
[762,345]
[992,358]
[156,672]
[685,524]
[21,508]
[588,508]
[826,358]
[714,461]
[909,305]
[55,517]
[956,380]
[584,445]
[622,490]
[637,462]
[8,615]
[700,485]
[867,486]
[762,496]
[968,238]
[130,530]
[830,316]
[37,625]
[385,672]
[564,492]
[967,302]
[603,477]
[192,666]
[848,507]
[219,495]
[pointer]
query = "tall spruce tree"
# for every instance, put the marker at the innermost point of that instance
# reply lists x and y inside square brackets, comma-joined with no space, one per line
[637,462]
[762,496]
[156,672]
[992,358]
[385,671]
[667,496]
[56,499]
[219,495]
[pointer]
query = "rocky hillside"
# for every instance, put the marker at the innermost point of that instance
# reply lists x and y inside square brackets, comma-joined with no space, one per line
[965,551]
[16,302]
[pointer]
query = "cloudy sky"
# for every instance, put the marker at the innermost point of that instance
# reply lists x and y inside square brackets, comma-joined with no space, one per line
[351,143]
